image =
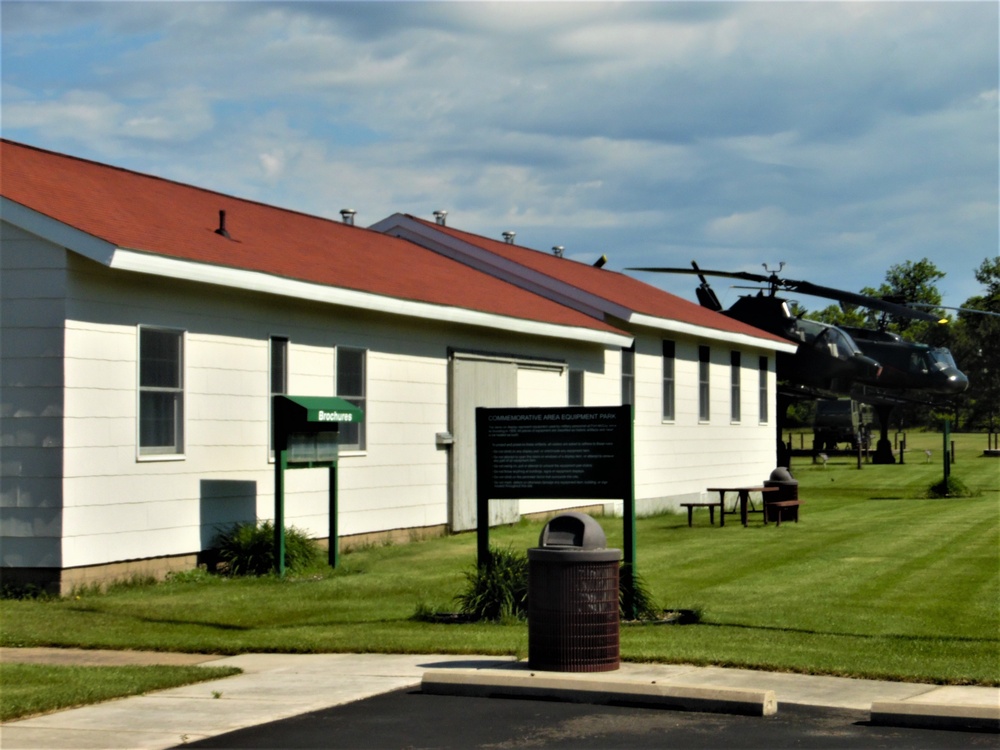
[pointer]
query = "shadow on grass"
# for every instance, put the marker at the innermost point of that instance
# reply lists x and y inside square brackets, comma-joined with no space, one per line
[160,621]
[864,636]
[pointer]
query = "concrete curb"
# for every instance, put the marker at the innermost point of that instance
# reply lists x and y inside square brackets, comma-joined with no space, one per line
[597,689]
[936,716]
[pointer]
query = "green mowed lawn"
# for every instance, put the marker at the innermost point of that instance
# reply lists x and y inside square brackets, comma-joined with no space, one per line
[874,581]
[36,688]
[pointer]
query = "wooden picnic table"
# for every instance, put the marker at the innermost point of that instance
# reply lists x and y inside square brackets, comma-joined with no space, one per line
[743,500]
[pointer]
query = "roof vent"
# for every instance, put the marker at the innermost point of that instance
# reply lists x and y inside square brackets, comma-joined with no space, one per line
[599,263]
[222,225]
[440,217]
[509,236]
[557,250]
[347,214]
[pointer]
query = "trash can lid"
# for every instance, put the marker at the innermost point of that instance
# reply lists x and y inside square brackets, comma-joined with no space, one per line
[781,474]
[573,530]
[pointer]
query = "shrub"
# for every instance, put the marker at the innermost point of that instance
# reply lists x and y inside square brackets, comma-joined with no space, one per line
[952,488]
[497,590]
[646,607]
[10,590]
[247,549]
[194,575]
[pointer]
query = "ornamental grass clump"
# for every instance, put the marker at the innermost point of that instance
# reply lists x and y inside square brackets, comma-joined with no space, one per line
[247,549]
[634,587]
[497,590]
[952,487]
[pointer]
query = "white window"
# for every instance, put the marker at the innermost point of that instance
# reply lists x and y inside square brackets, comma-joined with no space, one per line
[628,376]
[575,388]
[161,391]
[279,379]
[762,387]
[351,388]
[734,386]
[704,363]
[668,380]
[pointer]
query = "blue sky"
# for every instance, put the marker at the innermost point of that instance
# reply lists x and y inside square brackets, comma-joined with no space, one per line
[841,138]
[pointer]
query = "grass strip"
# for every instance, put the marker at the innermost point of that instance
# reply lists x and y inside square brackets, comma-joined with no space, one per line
[875,581]
[30,689]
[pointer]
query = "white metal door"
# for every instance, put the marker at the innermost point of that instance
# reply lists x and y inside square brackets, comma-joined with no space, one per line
[475,382]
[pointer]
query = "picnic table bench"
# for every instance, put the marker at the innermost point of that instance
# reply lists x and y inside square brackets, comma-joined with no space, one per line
[780,507]
[711,510]
[743,501]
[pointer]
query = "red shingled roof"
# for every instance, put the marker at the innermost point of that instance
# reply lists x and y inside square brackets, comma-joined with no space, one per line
[615,287]
[153,215]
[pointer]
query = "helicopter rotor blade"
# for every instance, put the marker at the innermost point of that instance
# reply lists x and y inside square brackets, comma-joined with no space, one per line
[704,272]
[805,287]
[862,300]
[959,309]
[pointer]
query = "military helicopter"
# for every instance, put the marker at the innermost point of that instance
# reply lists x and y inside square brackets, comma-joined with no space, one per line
[875,367]
[827,361]
[911,372]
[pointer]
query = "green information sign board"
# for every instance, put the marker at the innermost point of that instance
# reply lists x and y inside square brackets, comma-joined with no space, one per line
[305,430]
[559,452]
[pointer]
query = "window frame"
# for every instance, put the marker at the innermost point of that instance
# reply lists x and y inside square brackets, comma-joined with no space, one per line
[735,387]
[669,391]
[704,383]
[575,391]
[763,367]
[271,390]
[162,452]
[628,375]
[359,400]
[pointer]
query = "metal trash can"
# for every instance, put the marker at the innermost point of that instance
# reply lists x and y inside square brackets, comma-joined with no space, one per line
[788,489]
[573,621]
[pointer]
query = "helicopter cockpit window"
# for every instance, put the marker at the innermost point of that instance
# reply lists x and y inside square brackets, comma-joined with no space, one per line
[942,358]
[809,331]
[919,362]
[839,343]
[844,343]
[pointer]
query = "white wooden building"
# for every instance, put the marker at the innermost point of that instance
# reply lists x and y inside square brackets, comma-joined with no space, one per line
[147,323]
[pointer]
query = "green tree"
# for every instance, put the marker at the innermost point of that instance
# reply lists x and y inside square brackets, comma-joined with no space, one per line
[840,315]
[977,349]
[911,282]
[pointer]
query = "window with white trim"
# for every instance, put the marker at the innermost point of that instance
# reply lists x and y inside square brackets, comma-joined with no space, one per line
[669,349]
[628,375]
[351,365]
[161,392]
[762,388]
[278,346]
[734,386]
[575,396]
[704,365]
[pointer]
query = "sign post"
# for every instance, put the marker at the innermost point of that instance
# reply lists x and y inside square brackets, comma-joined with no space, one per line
[305,432]
[560,452]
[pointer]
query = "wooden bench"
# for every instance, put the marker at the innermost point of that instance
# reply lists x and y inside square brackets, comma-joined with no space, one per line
[711,510]
[780,506]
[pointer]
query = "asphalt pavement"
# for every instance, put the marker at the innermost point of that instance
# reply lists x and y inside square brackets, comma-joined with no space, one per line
[276,687]
[413,719]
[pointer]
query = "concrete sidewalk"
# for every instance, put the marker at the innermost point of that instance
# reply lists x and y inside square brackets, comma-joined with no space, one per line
[278,686]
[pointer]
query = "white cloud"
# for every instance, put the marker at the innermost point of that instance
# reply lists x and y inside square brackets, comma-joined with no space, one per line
[818,132]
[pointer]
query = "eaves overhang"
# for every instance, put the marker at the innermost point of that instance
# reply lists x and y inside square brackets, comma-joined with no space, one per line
[255,281]
[139,261]
[56,232]
[711,334]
